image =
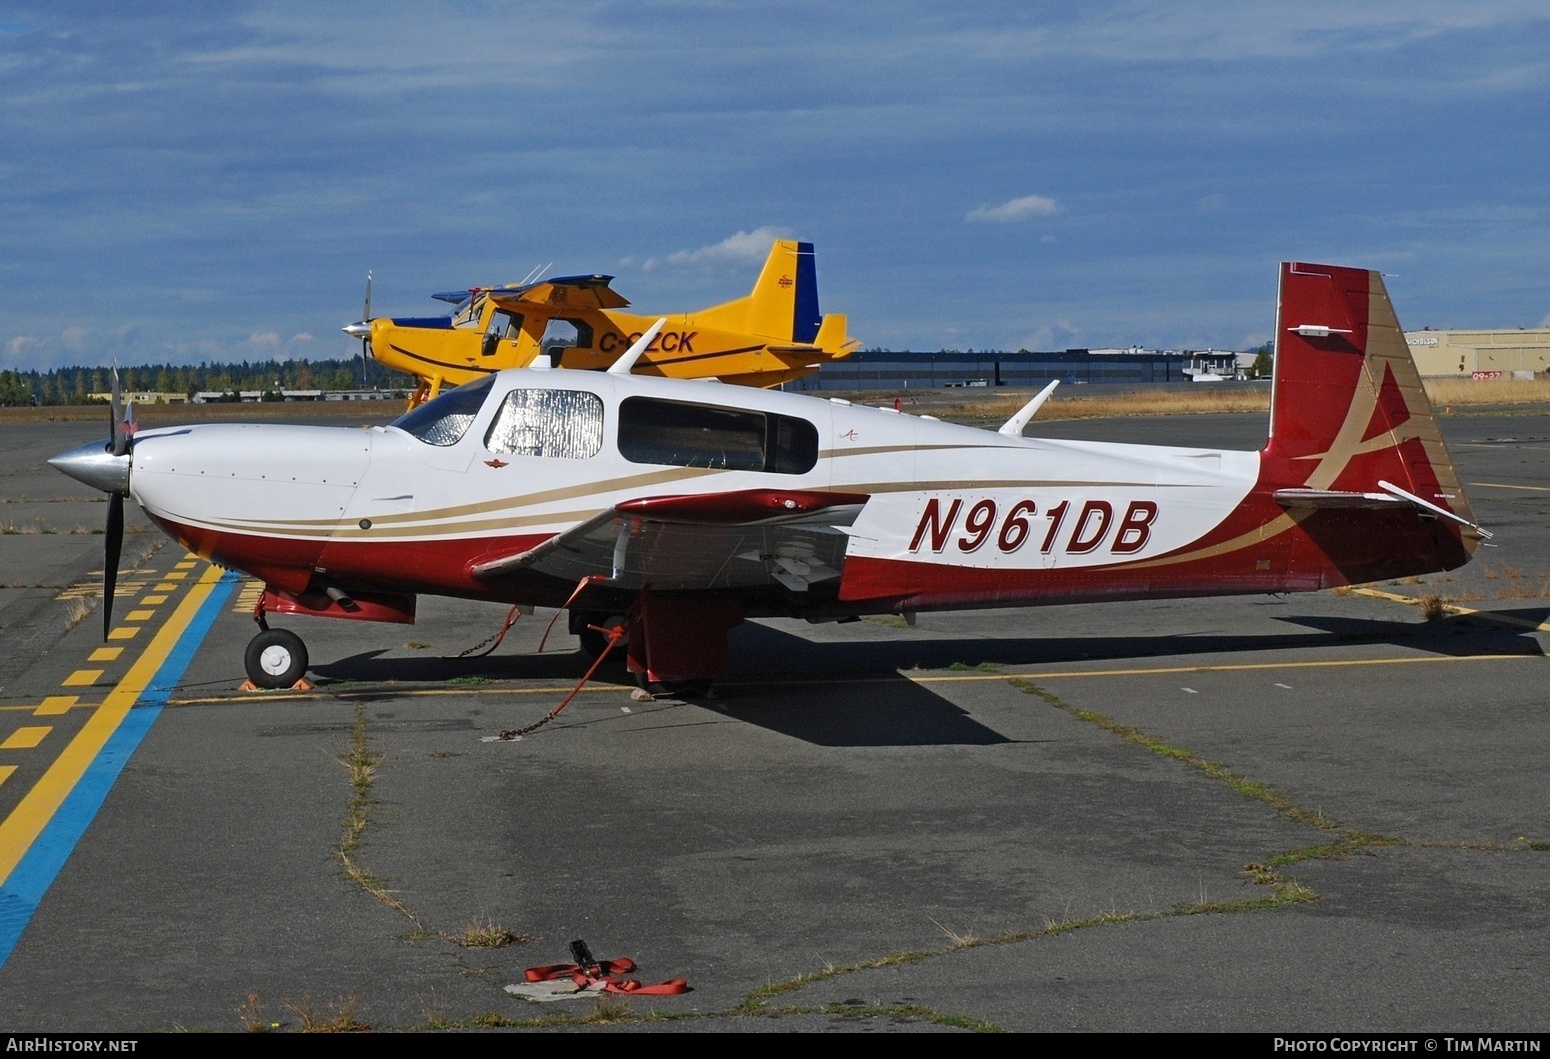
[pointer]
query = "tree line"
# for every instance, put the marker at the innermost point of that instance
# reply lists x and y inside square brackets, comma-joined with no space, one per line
[71,385]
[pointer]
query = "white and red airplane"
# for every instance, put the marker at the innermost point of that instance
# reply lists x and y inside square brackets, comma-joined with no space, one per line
[675,509]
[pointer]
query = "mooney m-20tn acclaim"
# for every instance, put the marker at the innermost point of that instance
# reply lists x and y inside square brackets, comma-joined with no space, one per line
[670,510]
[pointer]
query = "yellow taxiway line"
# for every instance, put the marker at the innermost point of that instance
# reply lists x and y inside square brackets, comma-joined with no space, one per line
[21,828]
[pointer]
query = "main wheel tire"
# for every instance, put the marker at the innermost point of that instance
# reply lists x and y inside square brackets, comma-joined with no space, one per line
[276,658]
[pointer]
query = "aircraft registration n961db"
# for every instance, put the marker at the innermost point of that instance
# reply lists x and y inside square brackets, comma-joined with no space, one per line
[667,511]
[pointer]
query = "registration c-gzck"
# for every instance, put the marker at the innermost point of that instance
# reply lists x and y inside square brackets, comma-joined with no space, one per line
[1063,527]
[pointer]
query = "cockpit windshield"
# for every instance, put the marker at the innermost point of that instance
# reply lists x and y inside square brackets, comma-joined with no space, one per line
[445,420]
[467,314]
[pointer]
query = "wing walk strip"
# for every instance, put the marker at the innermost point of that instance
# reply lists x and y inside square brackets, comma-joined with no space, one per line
[38,836]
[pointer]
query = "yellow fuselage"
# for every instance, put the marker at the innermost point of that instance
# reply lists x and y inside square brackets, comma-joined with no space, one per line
[764,339]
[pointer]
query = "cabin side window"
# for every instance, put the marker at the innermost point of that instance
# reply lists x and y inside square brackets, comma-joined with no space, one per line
[731,439]
[445,420]
[563,332]
[566,424]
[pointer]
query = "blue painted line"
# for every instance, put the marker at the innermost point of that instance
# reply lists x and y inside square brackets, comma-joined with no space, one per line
[36,871]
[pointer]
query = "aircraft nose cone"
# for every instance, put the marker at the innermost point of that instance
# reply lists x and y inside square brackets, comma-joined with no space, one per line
[358,330]
[97,467]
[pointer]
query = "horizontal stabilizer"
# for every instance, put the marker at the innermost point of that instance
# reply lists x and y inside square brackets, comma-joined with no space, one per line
[1333,499]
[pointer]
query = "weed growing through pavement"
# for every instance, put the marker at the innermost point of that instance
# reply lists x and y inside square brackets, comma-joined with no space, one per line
[361,763]
[1433,607]
[339,1018]
[486,935]
[76,610]
[252,1016]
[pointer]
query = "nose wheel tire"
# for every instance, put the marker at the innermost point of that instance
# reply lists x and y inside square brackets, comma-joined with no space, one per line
[276,658]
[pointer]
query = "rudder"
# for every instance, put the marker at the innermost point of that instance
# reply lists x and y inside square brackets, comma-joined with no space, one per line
[1347,408]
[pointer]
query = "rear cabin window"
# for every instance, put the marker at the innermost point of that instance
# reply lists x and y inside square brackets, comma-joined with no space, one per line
[567,424]
[729,439]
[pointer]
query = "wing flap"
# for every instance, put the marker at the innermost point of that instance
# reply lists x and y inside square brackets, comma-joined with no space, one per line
[744,539]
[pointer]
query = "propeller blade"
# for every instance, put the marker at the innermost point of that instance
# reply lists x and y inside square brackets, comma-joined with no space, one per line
[113,544]
[117,417]
[366,335]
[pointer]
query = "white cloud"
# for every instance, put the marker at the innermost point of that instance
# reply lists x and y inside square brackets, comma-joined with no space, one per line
[301,336]
[263,338]
[19,343]
[1015,210]
[740,248]
[1048,337]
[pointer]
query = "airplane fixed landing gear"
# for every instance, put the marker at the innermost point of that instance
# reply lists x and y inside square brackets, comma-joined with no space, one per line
[276,658]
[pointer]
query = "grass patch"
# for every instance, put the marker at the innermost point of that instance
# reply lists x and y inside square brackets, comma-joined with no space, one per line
[252,1016]
[76,610]
[1487,391]
[339,1017]
[486,935]
[360,763]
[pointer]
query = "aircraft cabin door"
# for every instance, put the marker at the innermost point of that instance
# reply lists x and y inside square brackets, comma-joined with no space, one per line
[501,335]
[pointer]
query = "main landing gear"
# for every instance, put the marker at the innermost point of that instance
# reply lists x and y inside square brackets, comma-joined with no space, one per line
[276,658]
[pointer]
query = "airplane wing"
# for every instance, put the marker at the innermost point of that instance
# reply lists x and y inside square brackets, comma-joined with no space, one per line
[744,539]
[563,292]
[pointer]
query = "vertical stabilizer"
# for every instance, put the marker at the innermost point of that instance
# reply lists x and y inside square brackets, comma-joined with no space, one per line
[1347,409]
[783,304]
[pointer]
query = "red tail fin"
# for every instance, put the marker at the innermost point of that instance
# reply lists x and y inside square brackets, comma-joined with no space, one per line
[1347,409]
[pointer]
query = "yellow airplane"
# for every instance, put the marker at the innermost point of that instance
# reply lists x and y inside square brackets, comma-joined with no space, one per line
[774,334]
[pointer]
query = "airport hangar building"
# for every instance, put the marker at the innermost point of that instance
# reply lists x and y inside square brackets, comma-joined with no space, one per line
[1452,353]
[879,370]
[1480,352]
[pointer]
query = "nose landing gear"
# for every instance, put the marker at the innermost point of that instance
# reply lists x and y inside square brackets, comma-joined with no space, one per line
[276,658]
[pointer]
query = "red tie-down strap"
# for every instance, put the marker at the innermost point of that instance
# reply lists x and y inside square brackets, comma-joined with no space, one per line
[605,976]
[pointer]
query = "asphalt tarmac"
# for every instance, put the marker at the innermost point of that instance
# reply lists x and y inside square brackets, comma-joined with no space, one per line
[1306,813]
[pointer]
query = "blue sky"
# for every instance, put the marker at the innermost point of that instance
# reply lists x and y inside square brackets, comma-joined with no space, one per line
[183,182]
